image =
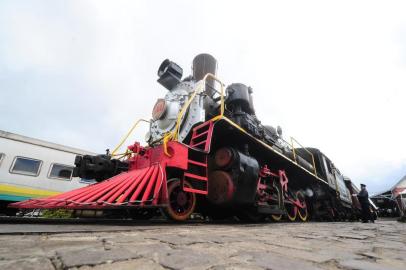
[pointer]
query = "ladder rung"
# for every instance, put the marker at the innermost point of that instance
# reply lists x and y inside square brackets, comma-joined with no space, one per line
[204,192]
[197,163]
[194,176]
[197,144]
[205,124]
[200,135]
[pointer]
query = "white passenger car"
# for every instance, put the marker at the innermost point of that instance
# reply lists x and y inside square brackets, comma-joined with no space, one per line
[31,168]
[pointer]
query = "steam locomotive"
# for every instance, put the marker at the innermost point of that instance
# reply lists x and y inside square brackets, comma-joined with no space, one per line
[207,152]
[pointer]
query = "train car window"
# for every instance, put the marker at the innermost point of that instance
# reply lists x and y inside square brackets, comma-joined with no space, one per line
[27,166]
[87,181]
[59,171]
[1,157]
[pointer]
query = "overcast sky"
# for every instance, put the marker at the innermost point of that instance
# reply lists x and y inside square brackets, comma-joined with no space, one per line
[332,74]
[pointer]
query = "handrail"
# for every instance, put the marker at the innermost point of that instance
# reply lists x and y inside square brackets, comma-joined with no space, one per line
[209,75]
[183,111]
[294,153]
[175,133]
[200,88]
[220,116]
[127,135]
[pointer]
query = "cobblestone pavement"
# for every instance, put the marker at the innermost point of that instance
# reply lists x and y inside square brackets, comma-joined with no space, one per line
[212,246]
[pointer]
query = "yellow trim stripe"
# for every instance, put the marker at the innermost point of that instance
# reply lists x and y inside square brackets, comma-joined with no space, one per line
[26,192]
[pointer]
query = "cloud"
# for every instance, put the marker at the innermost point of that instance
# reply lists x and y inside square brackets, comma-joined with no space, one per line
[81,72]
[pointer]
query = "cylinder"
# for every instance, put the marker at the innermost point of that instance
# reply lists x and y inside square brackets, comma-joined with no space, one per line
[223,157]
[202,64]
[221,188]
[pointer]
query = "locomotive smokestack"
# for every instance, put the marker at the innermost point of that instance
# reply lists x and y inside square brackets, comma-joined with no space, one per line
[202,64]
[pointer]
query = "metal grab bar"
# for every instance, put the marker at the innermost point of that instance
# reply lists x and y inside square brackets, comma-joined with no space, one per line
[201,88]
[170,136]
[127,135]
[211,76]
[294,153]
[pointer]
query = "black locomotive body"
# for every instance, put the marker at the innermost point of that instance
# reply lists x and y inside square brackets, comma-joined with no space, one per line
[222,161]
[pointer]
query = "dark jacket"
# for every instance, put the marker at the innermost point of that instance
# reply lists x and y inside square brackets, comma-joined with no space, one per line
[363,197]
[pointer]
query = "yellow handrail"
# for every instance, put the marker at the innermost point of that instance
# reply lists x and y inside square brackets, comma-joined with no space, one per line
[293,149]
[220,116]
[175,133]
[127,135]
[200,88]
[183,111]
[294,153]
[209,75]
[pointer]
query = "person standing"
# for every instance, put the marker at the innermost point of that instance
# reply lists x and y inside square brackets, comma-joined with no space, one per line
[363,199]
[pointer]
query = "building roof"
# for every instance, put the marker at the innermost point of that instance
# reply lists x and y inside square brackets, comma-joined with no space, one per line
[399,187]
[401,183]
